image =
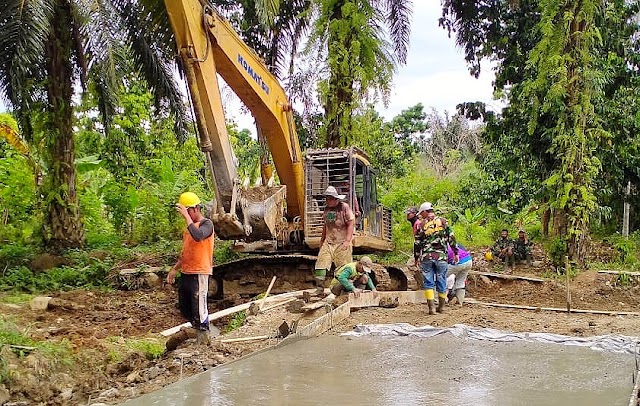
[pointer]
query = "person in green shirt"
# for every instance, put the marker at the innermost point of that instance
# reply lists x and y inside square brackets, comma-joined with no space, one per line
[353,277]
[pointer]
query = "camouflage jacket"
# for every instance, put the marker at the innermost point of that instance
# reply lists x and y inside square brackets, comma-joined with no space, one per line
[502,243]
[522,247]
[433,237]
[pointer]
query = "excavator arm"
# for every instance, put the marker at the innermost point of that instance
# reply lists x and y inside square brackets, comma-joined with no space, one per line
[207,44]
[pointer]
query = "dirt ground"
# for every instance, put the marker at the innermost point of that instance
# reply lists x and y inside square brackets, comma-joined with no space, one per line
[96,324]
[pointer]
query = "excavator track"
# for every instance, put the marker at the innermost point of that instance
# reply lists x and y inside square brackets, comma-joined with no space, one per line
[251,276]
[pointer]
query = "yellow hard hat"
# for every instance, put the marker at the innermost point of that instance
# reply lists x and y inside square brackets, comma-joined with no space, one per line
[488,256]
[189,199]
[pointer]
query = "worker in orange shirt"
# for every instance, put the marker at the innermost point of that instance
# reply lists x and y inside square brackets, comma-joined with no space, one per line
[195,263]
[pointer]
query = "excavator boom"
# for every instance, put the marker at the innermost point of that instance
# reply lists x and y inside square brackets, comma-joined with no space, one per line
[207,45]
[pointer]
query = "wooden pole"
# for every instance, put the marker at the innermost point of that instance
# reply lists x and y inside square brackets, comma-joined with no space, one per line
[551,309]
[264,299]
[566,271]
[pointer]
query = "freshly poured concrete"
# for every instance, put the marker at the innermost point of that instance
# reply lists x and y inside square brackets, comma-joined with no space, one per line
[442,370]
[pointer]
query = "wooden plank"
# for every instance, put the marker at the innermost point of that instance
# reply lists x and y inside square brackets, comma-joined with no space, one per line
[509,277]
[552,309]
[619,272]
[321,324]
[149,269]
[241,339]
[235,309]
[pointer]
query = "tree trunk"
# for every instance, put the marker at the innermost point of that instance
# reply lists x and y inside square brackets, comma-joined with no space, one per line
[63,226]
[546,216]
[339,102]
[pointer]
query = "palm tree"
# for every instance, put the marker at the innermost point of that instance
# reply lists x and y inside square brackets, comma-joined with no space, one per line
[47,48]
[360,58]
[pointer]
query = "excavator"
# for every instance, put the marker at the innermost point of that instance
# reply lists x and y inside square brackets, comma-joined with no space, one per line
[280,225]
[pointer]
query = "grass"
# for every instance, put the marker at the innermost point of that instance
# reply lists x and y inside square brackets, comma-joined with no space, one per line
[16,298]
[18,341]
[151,348]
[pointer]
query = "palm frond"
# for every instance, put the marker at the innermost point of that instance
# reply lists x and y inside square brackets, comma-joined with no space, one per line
[154,60]
[24,30]
[399,22]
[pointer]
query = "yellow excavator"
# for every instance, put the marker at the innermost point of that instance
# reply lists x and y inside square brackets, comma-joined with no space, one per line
[283,223]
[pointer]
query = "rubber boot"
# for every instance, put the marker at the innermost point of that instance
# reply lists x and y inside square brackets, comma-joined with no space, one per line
[432,306]
[460,293]
[441,303]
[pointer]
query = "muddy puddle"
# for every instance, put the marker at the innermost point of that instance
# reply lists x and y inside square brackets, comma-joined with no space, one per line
[388,370]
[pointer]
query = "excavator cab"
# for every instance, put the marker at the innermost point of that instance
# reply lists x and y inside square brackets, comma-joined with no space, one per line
[350,172]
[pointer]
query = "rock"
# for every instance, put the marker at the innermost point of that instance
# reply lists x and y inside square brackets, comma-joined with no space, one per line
[66,395]
[485,280]
[219,359]
[152,373]
[152,280]
[110,393]
[4,395]
[254,309]
[133,377]
[64,304]
[296,306]
[40,303]
[388,302]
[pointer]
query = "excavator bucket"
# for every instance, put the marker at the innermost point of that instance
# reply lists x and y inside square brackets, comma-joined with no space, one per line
[258,215]
[263,210]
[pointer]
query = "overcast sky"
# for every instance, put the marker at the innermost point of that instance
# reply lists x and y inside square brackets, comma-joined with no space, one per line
[435,74]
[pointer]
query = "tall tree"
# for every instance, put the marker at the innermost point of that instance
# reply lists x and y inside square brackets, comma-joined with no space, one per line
[48,46]
[359,57]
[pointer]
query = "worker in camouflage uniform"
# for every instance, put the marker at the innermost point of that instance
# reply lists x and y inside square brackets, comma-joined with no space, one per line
[503,248]
[522,248]
[434,233]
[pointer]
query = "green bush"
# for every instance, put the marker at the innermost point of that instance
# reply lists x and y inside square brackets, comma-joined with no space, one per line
[557,250]
[16,254]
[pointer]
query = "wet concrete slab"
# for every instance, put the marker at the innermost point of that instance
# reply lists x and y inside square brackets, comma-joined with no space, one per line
[441,370]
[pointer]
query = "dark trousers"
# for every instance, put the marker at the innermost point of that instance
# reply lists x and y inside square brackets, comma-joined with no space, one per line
[192,299]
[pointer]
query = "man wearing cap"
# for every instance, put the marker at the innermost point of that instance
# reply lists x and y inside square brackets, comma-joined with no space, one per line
[337,233]
[522,248]
[435,233]
[195,263]
[353,277]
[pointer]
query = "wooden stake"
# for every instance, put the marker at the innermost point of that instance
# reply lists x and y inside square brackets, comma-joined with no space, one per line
[566,271]
[267,294]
